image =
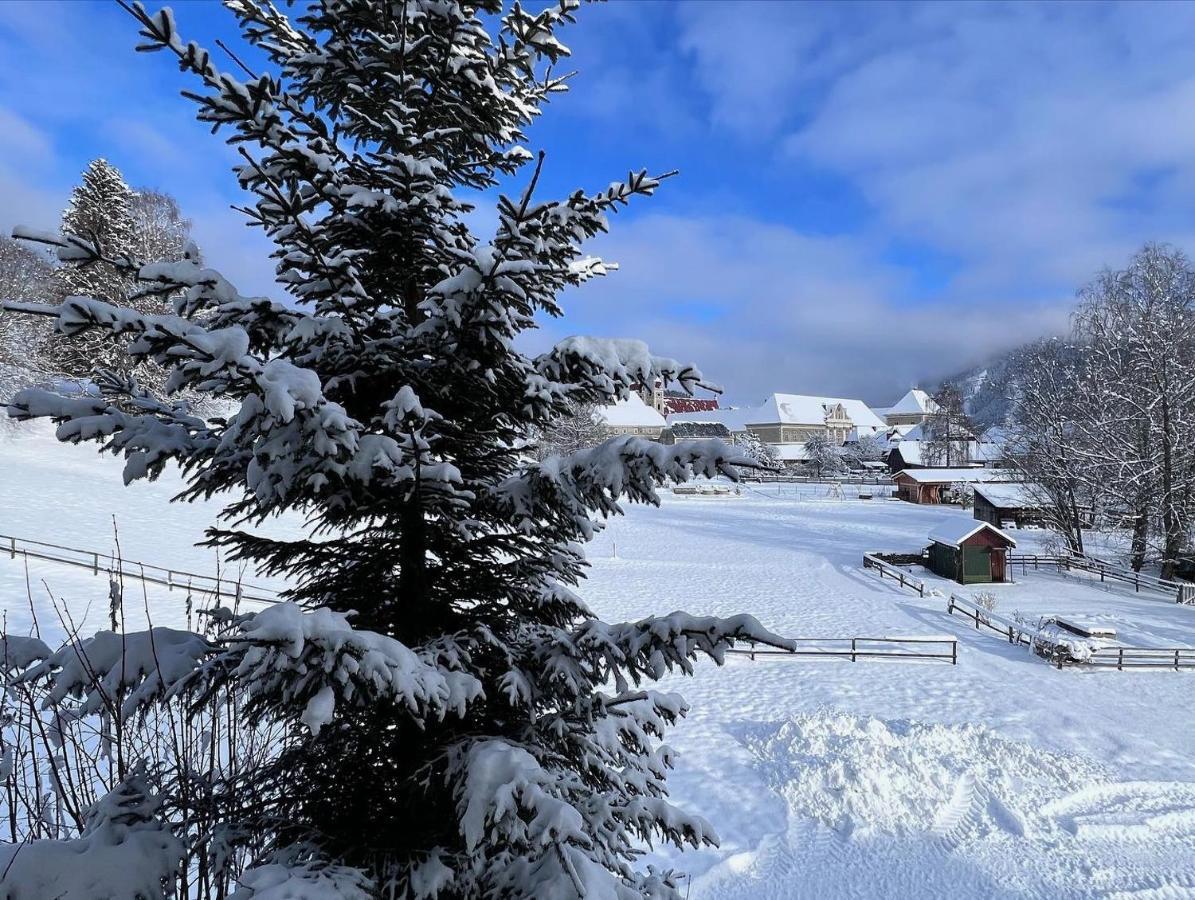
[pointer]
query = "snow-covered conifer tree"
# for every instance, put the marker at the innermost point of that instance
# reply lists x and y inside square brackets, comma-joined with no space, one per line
[100,212]
[459,723]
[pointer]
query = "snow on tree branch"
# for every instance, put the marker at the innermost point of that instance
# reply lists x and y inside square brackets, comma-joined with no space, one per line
[610,367]
[595,478]
[124,853]
[121,674]
[287,658]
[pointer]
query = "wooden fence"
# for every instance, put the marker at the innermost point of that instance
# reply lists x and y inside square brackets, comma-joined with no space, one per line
[857,648]
[1180,591]
[1121,658]
[1015,633]
[1062,654]
[108,564]
[769,478]
[873,561]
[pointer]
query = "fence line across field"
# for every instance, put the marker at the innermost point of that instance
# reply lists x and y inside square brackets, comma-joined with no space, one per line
[109,564]
[1116,657]
[873,561]
[858,648]
[1182,593]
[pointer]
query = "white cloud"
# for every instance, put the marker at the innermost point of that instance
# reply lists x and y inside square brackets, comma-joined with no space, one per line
[762,308]
[1020,139]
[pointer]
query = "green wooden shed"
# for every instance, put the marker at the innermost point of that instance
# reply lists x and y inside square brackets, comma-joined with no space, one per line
[969,552]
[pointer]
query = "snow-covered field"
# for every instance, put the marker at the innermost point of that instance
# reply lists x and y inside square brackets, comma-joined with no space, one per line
[998,777]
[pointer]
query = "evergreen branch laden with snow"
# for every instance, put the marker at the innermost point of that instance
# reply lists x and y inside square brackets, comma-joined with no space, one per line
[433,654]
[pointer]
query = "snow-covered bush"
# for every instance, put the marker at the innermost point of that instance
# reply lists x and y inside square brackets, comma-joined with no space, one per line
[986,600]
[754,449]
[963,493]
[442,714]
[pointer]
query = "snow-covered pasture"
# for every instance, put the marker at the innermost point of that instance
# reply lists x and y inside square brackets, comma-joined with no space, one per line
[1000,776]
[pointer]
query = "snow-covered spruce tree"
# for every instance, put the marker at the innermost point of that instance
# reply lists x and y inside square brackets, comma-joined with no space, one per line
[100,212]
[471,729]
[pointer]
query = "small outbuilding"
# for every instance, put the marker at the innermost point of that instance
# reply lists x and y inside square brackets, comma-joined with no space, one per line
[1010,504]
[934,485]
[969,552]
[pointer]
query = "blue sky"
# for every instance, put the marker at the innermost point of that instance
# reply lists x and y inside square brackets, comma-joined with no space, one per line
[870,195]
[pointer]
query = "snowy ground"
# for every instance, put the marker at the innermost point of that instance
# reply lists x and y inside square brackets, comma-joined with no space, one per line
[999,777]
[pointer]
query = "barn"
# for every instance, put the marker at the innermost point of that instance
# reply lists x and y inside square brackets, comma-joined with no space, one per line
[929,485]
[969,552]
[1004,504]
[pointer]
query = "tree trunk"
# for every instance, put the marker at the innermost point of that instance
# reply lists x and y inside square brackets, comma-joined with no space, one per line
[1140,537]
[1171,522]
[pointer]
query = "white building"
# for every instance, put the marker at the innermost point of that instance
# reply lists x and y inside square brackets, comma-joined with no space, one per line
[632,416]
[794,418]
[911,409]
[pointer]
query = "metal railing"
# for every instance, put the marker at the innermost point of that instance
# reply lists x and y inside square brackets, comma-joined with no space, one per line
[873,561]
[857,648]
[109,564]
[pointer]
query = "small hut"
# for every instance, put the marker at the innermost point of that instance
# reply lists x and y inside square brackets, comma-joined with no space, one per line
[969,552]
[1010,504]
[933,485]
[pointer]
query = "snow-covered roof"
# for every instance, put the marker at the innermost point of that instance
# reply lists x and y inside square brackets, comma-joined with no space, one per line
[952,532]
[803,409]
[985,451]
[910,452]
[995,434]
[631,413]
[1012,495]
[699,430]
[789,409]
[940,476]
[914,403]
[734,418]
[913,433]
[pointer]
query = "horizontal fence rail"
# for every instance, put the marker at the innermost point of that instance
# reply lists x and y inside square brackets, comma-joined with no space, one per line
[109,564]
[985,619]
[1122,658]
[873,561]
[1063,654]
[877,480]
[857,648]
[1027,561]
[1180,591]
